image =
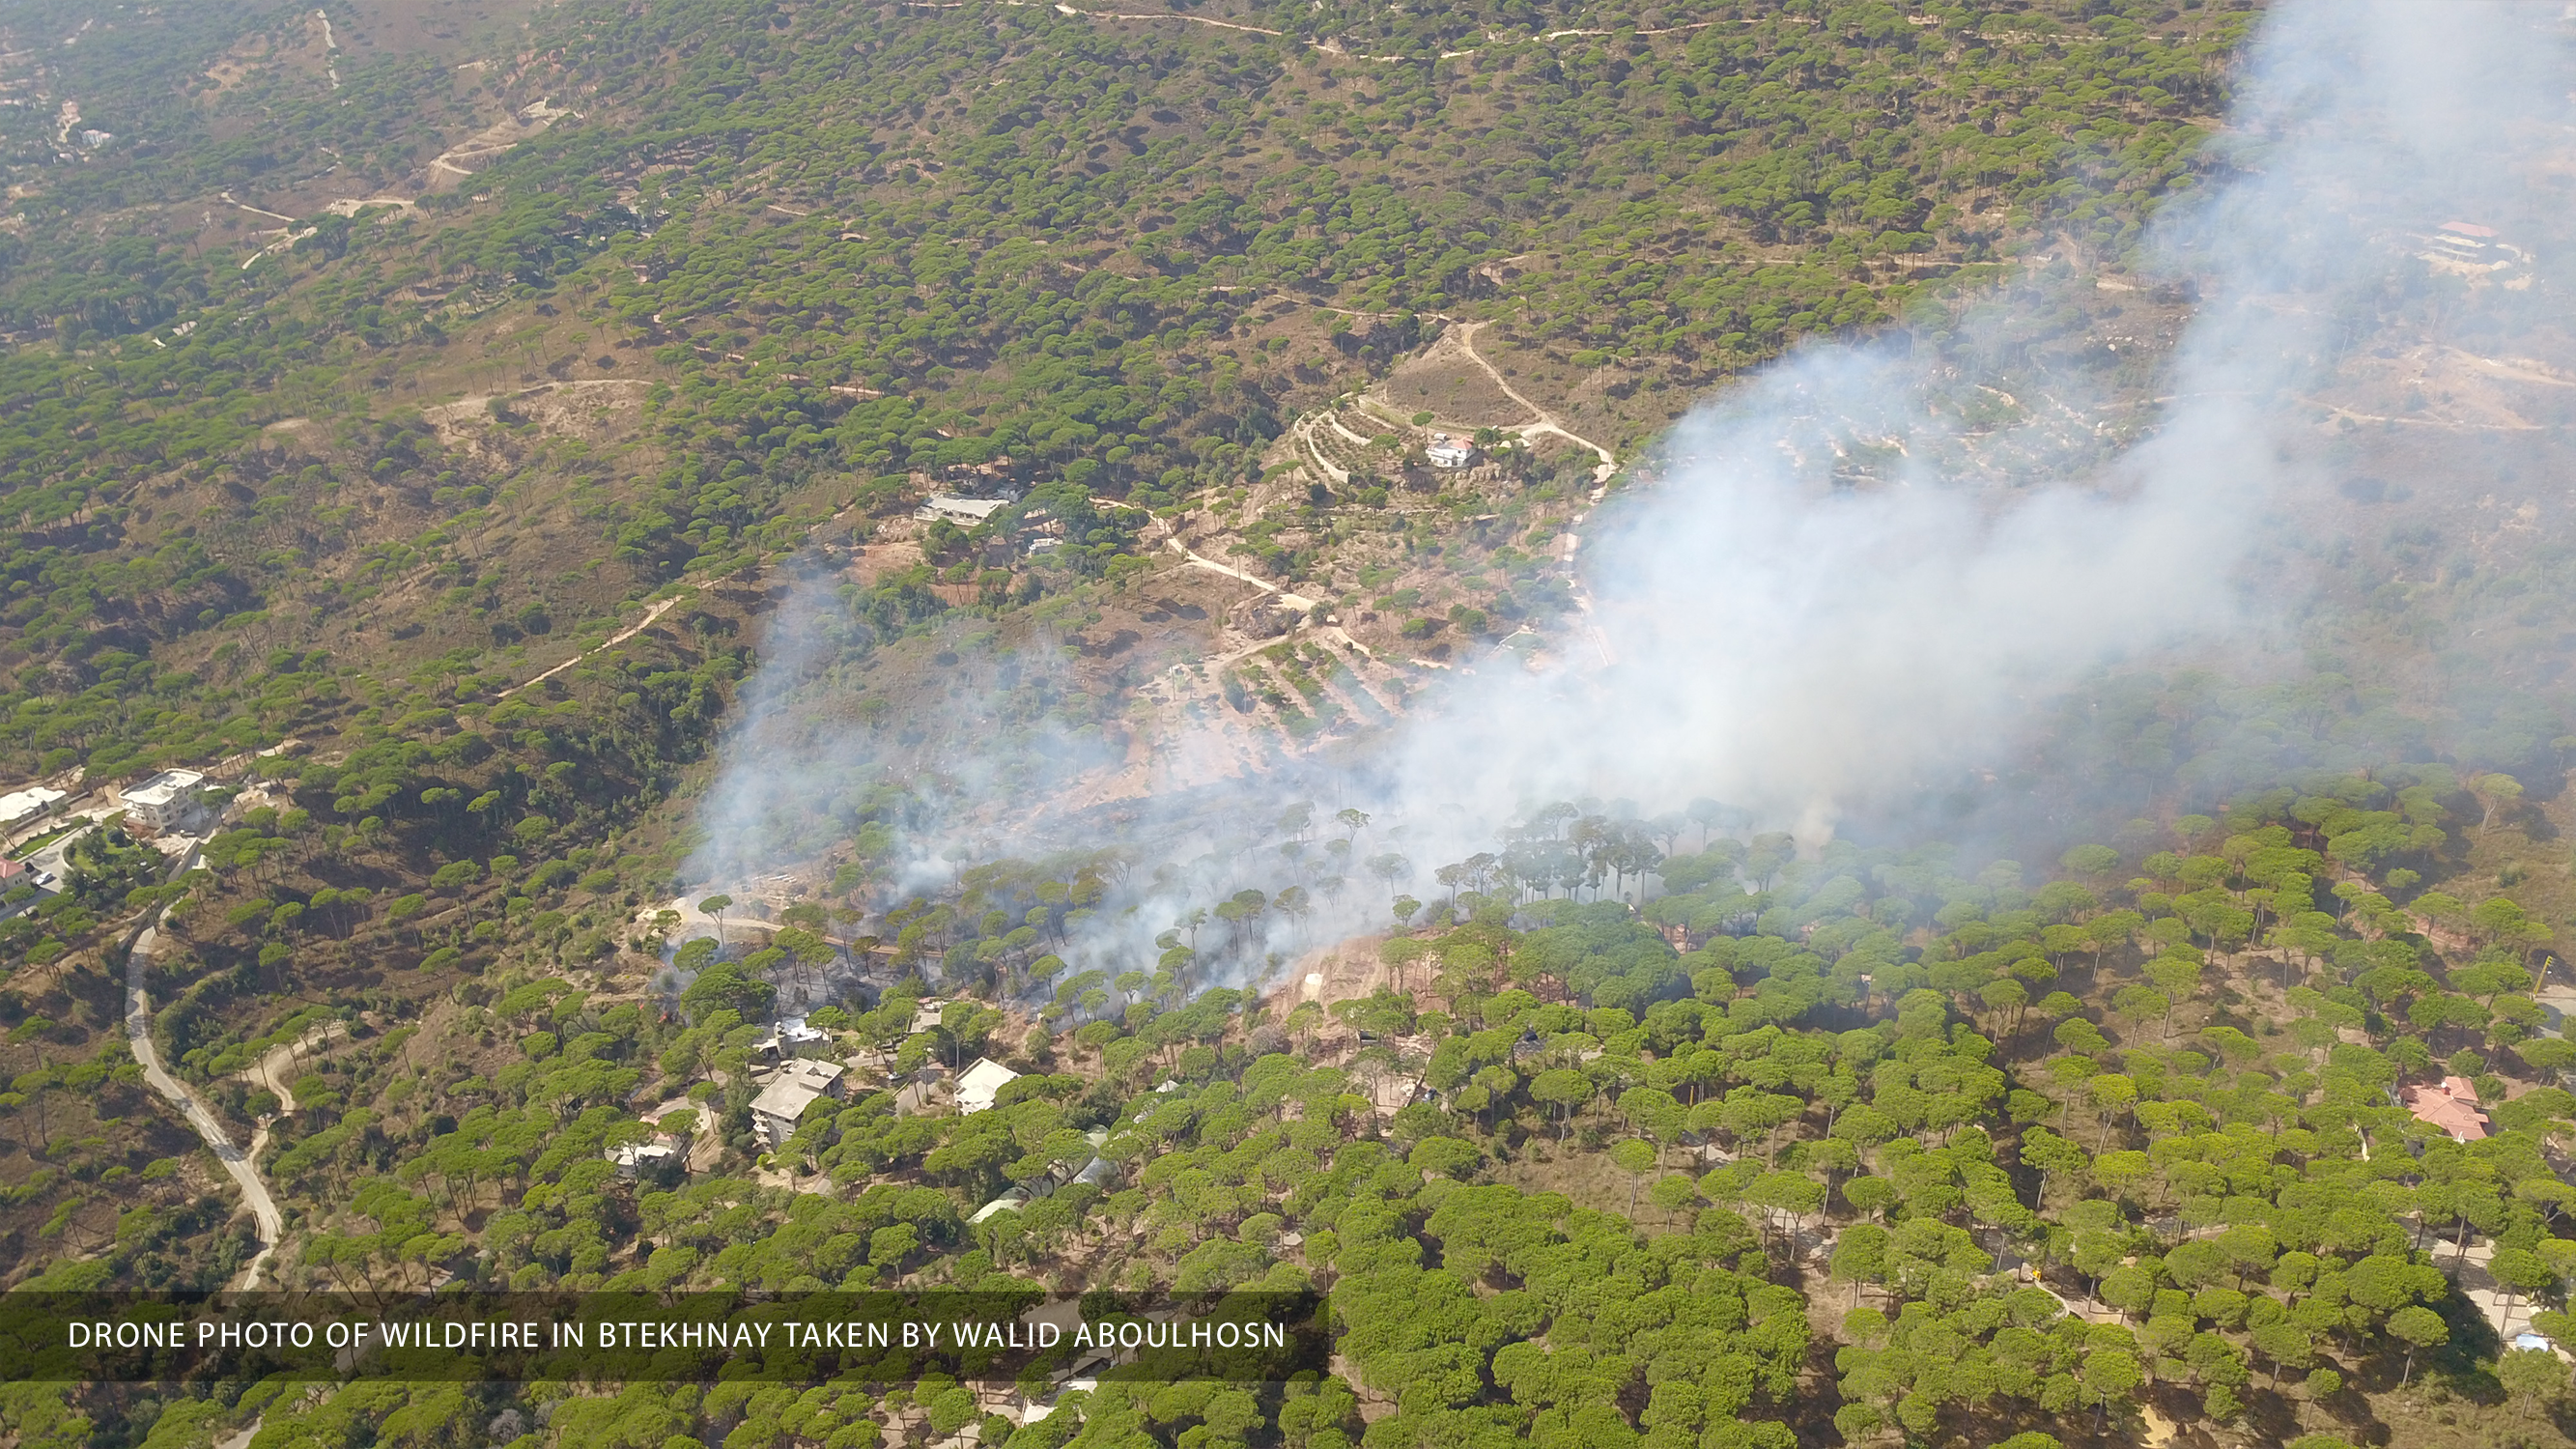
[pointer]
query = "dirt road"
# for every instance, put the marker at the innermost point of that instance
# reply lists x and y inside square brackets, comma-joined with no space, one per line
[1546,421]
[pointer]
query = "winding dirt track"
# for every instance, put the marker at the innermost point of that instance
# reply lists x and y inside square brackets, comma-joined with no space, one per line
[1546,421]
[270,1072]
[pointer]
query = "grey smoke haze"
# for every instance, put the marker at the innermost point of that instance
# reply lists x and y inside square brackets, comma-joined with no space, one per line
[1841,594]
[800,766]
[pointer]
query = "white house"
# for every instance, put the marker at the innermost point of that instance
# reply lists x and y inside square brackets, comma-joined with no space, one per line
[1447,452]
[792,1035]
[20,806]
[787,1092]
[966,511]
[981,1082]
[632,1158]
[166,801]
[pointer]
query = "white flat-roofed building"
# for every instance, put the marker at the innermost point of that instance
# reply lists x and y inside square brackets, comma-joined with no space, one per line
[167,800]
[968,511]
[20,806]
[786,1094]
[635,1158]
[792,1035]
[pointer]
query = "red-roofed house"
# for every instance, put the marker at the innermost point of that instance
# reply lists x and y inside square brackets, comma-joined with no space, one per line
[2452,1106]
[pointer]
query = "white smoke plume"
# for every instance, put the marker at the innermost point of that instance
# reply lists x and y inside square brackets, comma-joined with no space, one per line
[1842,595]
[1847,588]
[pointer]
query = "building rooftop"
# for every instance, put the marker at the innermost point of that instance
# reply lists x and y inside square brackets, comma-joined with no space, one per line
[794,1086]
[163,788]
[2451,1106]
[978,1085]
[26,804]
[950,506]
[792,1032]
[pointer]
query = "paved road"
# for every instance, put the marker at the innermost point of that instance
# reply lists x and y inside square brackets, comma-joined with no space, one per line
[138,1033]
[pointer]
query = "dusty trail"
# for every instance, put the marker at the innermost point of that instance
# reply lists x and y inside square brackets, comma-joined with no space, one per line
[1164,15]
[483,145]
[1331,47]
[1546,421]
[1541,420]
[494,139]
[330,49]
[226,196]
[611,642]
[269,1073]
[281,244]
[1310,451]
[1294,601]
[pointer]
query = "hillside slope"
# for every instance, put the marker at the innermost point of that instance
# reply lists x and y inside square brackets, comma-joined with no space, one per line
[787,267]
[443,423]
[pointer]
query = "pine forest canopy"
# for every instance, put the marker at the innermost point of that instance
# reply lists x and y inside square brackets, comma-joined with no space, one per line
[449,425]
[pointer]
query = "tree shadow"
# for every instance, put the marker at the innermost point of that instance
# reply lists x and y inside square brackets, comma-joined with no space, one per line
[2473,1338]
[2273,1416]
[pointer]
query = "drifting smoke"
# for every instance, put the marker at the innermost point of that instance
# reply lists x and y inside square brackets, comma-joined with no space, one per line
[802,768]
[1846,595]
[1859,574]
